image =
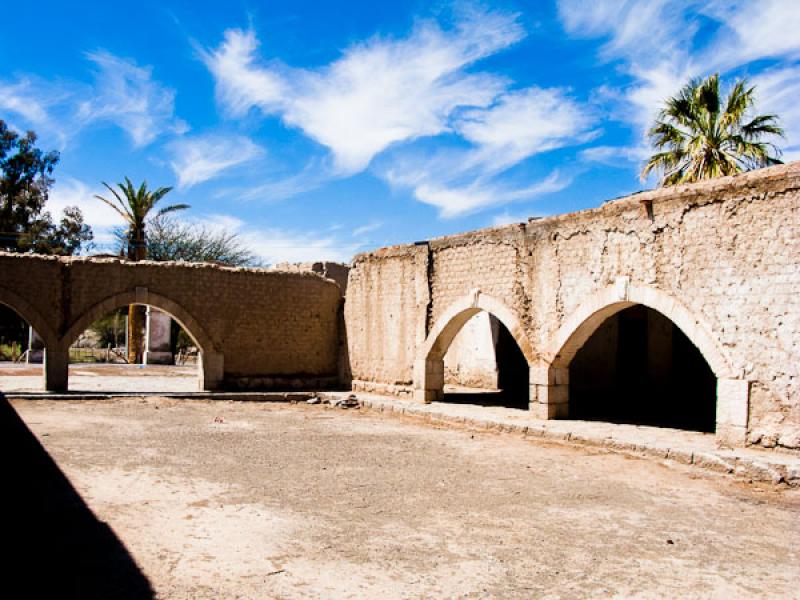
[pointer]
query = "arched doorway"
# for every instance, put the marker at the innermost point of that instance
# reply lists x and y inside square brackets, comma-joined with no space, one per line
[638,367]
[100,361]
[30,327]
[21,353]
[477,325]
[660,341]
[207,362]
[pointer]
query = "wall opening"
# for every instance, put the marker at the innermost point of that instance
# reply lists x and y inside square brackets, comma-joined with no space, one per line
[484,365]
[100,359]
[638,367]
[21,353]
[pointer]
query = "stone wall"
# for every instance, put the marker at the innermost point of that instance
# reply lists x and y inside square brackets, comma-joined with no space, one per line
[254,327]
[720,259]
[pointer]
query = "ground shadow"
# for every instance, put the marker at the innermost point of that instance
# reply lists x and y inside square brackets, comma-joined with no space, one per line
[55,547]
[510,399]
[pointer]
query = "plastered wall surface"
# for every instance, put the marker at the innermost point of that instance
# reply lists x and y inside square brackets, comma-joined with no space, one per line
[249,323]
[721,259]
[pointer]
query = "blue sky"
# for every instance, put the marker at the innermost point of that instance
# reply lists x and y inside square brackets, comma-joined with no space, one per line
[320,129]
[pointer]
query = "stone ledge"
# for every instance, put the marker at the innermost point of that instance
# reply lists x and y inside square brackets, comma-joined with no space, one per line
[754,466]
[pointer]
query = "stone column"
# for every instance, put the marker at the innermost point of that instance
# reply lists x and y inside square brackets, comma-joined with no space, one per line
[56,367]
[158,337]
[733,401]
[549,392]
[212,371]
[429,380]
[35,347]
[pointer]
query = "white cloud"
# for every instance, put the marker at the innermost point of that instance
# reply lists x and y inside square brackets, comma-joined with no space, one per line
[281,245]
[523,123]
[68,191]
[19,98]
[508,218]
[378,93]
[198,159]
[755,30]
[126,95]
[367,228]
[657,45]
[518,125]
[458,200]
[615,156]
[777,92]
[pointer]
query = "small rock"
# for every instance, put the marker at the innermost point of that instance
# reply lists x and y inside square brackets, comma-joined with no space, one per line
[314,400]
[219,420]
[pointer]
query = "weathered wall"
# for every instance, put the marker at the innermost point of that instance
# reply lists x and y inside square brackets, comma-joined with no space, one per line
[471,359]
[719,258]
[252,325]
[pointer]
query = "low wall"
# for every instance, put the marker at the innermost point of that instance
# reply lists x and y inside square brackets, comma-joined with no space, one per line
[254,327]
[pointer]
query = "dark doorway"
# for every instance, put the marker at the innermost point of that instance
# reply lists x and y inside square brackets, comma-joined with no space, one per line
[512,374]
[638,367]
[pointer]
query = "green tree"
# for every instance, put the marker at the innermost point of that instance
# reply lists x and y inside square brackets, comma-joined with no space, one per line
[25,180]
[171,239]
[699,134]
[135,207]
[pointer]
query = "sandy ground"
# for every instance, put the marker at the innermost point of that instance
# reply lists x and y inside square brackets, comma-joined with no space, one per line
[104,378]
[246,500]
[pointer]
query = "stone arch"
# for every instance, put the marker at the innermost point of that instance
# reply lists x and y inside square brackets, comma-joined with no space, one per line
[429,360]
[211,360]
[29,313]
[551,375]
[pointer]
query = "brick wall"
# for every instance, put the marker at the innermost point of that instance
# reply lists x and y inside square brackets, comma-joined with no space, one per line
[728,251]
[265,324]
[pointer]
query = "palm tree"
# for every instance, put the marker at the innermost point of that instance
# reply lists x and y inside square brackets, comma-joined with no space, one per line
[700,135]
[134,206]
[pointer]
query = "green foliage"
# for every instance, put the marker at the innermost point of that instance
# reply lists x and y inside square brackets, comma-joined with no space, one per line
[170,239]
[10,351]
[110,329]
[700,135]
[134,206]
[25,181]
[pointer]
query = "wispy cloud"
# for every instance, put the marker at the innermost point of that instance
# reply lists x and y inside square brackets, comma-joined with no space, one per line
[69,191]
[455,201]
[367,228]
[128,96]
[281,245]
[122,93]
[520,124]
[657,45]
[19,98]
[200,158]
[380,92]
[508,218]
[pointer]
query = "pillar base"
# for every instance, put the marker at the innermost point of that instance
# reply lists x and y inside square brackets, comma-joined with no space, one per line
[56,368]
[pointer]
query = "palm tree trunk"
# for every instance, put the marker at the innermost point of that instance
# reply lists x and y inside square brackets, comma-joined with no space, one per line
[137,250]
[136,324]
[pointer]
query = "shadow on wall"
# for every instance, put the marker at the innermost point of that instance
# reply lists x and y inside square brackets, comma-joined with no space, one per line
[638,367]
[55,546]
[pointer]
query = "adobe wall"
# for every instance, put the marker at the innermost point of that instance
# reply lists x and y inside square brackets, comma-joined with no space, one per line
[255,327]
[718,258]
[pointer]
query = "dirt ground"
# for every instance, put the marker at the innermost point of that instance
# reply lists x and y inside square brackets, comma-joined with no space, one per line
[88,377]
[248,500]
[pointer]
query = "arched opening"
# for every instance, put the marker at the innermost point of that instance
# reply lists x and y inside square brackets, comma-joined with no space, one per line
[21,353]
[639,367]
[201,367]
[99,358]
[484,365]
[476,353]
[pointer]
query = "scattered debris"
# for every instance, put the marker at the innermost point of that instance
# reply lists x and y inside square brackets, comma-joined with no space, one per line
[350,402]
[276,572]
[314,400]
[219,419]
